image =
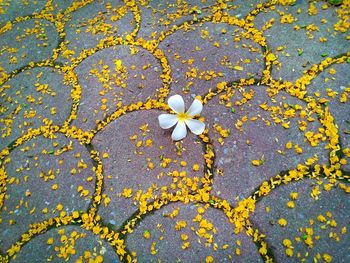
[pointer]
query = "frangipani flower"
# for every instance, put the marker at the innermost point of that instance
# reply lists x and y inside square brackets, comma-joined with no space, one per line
[182,118]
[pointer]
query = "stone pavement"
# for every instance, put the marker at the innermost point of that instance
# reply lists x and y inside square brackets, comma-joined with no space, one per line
[88,175]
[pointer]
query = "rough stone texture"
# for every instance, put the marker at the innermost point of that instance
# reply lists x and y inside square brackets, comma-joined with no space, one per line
[131,168]
[30,48]
[18,8]
[34,169]
[260,139]
[160,16]
[80,35]
[130,178]
[293,64]
[204,51]
[169,242]
[331,84]
[52,102]
[83,242]
[101,80]
[298,219]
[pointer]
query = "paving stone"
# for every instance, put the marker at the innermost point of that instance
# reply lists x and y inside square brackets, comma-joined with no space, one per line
[60,6]
[34,171]
[103,83]
[93,22]
[294,62]
[159,16]
[261,139]
[241,8]
[209,57]
[129,168]
[83,242]
[332,205]
[29,41]
[17,8]
[331,84]
[29,98]
[169,234]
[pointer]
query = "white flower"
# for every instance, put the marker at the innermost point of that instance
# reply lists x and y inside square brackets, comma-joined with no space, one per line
[177,104]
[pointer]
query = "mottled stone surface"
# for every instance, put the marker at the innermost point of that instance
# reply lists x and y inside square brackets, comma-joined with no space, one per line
[208,54]
[256,132]
[29,41]
[169,235]
[85,245]
[322,220]
[36,94]
[40,180]
[259,138]
[130,167]
[104,87]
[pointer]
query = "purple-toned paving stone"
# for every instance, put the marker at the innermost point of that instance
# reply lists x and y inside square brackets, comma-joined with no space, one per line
[214,52]
[161,16]
[250,146]
[143,162]
[113,78]
[305,221]
[300,40]
[45,177]
[35,94]
[93,22]
[67,243]
[190,233]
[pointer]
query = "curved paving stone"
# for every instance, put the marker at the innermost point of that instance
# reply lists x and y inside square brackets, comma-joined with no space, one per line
[331,84]
[128,166]
[19,8]
[82,241]
[33,173]
[30,97]
[104,83]
[28,41]
[160,16]
[241,8]
[165,234]
[280,35]
[89,24]
[256,141]
[60,6]
[216,54]
[336,201]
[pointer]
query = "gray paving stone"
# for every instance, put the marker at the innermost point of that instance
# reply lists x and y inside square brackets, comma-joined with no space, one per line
[331,84]
[18,8]
[159,16]
[256,141]
[93,22]
[199,62]
[103,83]
[335,201]
[37,94]
[127,168]
[83,242]
[32,173]
[311,50]
[167,235]
[29,41]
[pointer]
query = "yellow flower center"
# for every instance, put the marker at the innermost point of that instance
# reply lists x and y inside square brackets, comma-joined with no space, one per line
[182,116]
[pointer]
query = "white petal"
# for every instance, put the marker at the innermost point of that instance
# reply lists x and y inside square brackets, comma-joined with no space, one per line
[177,103]
[179,132]
[167,120]
[196,108]
[196,126]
